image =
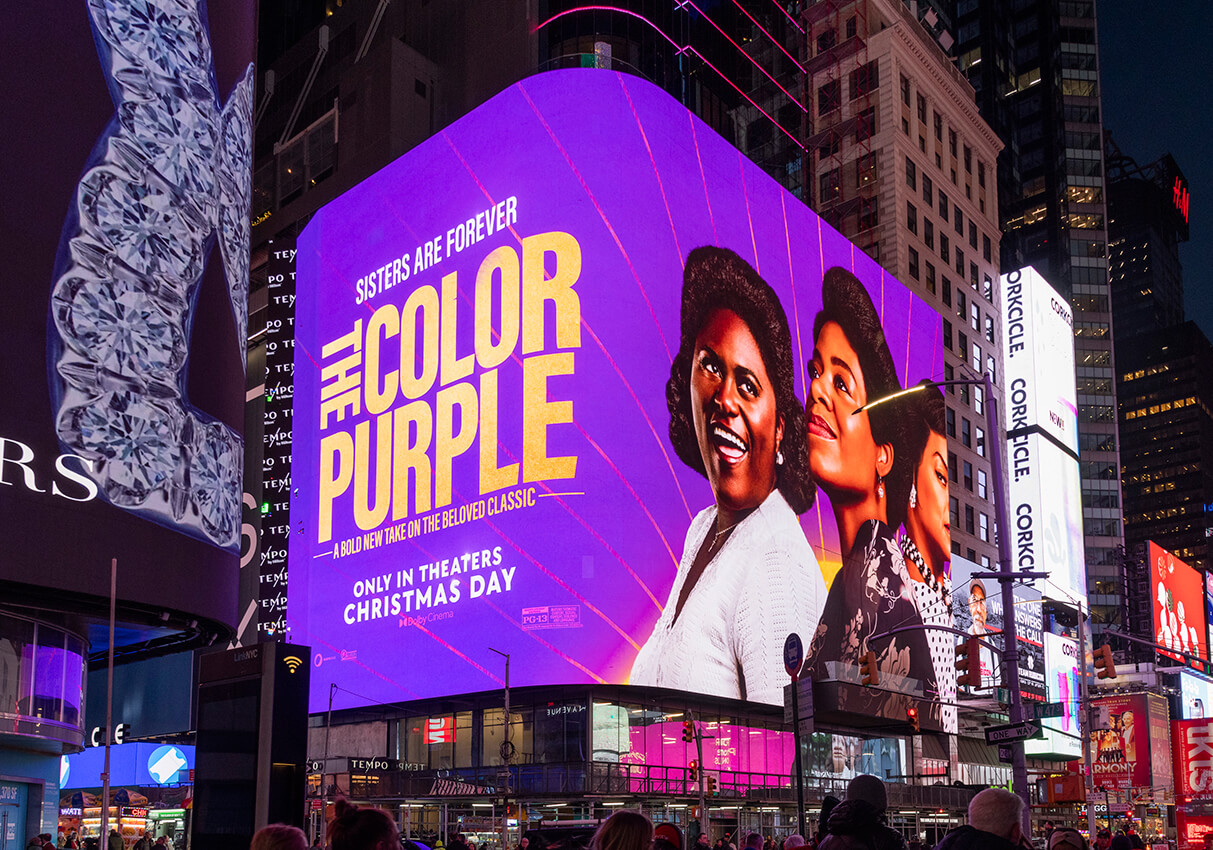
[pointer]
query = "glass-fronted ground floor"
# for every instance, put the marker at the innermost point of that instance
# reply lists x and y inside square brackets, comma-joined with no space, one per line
[573,754]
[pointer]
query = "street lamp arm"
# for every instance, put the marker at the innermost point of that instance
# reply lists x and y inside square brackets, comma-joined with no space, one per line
[919,387]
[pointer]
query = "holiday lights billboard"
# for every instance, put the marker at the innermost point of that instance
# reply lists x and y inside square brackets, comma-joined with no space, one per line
[523,347]
[1178,603]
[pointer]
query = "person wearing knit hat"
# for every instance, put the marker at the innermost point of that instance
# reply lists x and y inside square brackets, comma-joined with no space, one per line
[869,788]
[859,820]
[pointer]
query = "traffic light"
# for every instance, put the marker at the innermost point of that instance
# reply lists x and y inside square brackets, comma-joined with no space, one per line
[869,673]
[968,663]
[693,764]
[688,731]
[912,716]
[712,786]
[1104,668]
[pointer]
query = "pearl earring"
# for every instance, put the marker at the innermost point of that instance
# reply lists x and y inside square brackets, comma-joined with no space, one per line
[913,495]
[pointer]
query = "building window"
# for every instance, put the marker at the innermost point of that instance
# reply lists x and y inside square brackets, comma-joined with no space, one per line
[851,29]
[865,80]
[976,357]
[981,442]
[867,213]
[947,294]
[960,262]
[829,97]
[928,191]
[973,275]
[953,467]
[905,89]
[969,519]
[990,329]
[865,169]
[928,233]
[950,421]
[938,127]
[952,146]
[967,476]
[930,281]
[947,330]
[958,221]
[978,396]
[954,516]
[943,206]
[982,489]
[972,235]
[913,264]
[911,174]
[865,127]
[981,174]
[983,527]
[829,147]
[945,248]
[826,40]
[968,159]
[988,289]
[966,433]
[912,218]
[974,317]
[829,188]
[986,253]
[922,108]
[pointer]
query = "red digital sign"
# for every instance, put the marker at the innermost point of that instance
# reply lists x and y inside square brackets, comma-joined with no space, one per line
[1192,742]
[1178,603]
[440,730]
[1180,197]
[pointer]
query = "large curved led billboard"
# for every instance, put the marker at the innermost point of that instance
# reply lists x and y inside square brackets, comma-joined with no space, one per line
[125,290]
[550,380]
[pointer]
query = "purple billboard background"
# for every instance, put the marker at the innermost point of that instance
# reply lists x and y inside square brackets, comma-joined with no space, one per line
[637,182]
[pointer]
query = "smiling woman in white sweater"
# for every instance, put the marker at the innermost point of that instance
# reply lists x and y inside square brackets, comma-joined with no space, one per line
[747,576]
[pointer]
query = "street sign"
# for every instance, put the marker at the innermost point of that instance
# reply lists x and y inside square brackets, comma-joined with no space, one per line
[1005,754]
[1012,732]
[793,655]
[804,699]
[1040,710]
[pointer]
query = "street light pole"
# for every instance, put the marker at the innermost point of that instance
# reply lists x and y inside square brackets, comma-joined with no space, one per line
[1010,649]
[507,753]
[1005,575]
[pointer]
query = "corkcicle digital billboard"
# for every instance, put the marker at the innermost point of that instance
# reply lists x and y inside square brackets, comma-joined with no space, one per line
[550,381]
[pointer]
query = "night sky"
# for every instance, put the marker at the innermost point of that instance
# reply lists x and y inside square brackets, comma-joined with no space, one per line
[1156,80]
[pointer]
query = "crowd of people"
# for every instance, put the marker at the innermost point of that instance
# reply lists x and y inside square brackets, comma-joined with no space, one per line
[858,822]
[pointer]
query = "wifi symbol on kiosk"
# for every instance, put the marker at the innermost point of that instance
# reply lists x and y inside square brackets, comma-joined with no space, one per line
[292,662]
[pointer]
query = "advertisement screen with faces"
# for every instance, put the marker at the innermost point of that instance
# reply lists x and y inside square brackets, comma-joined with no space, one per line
[551,378]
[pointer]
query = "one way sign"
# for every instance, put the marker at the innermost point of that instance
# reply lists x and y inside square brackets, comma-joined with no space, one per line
[1012,732]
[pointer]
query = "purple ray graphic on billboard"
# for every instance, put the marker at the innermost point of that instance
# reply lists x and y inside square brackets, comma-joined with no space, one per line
[169,177]
[551,377]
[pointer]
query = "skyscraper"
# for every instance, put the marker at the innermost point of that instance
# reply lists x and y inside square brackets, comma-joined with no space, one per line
[903,165]
[1165,392]
[1035,67]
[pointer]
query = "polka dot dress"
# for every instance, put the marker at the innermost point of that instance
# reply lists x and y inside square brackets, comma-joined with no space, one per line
[934,605]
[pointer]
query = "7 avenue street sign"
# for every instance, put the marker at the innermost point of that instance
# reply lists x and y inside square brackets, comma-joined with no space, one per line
[1012,732]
